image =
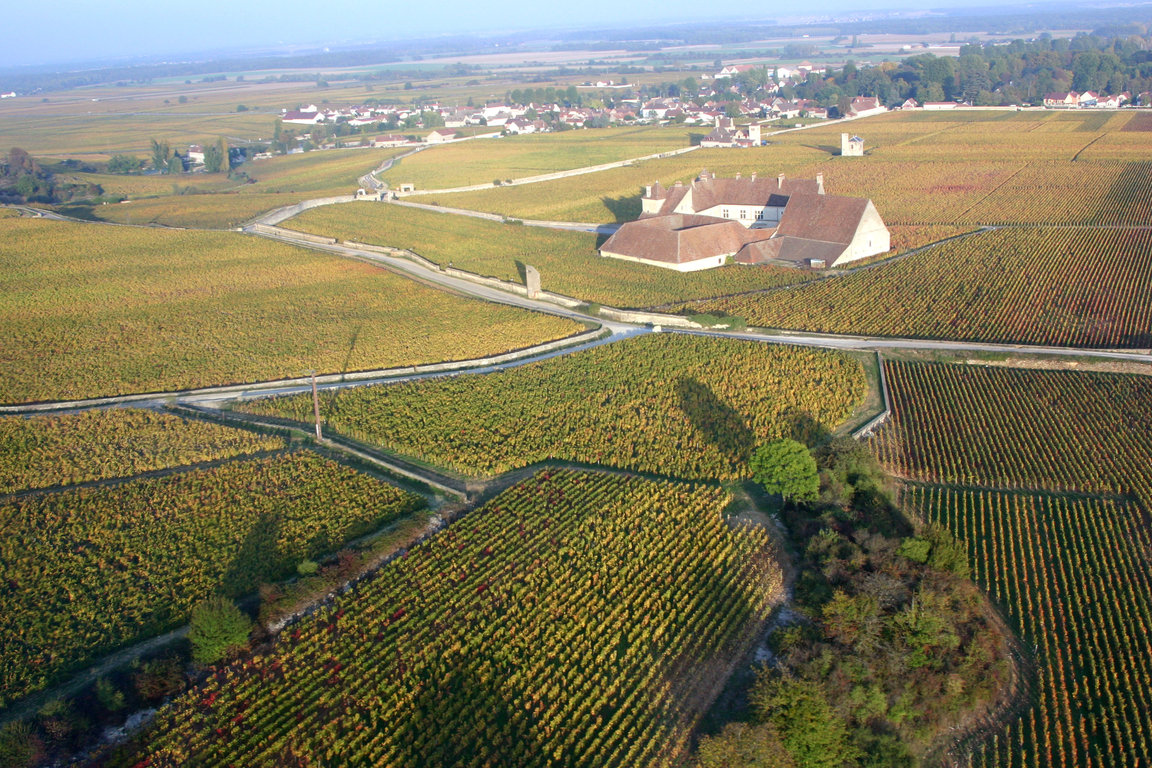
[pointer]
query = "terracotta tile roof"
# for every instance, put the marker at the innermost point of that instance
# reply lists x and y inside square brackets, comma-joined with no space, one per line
[677,238]
[793,249]
[829,218]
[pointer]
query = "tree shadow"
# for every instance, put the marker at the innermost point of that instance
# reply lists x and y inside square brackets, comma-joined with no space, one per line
[502,731]
[803,428]
[351,348]
[694,138]
[258,560]
[716,421]
[623,208]
[522,271]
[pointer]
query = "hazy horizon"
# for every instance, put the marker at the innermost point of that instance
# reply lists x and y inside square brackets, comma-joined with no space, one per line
[70,32]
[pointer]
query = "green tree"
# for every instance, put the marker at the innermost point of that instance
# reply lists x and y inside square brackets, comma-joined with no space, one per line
[218,630]
[786,467]
[175,163]
[741,745]
[124,164]
[160,154]
[225,158]
[814,734]
[213,159]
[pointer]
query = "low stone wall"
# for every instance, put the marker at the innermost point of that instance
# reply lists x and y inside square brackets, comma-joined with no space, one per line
[288,211]
[266,229]
[609,313]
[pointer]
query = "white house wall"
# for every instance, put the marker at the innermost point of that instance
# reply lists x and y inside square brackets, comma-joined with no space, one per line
[747,215]
[871,238]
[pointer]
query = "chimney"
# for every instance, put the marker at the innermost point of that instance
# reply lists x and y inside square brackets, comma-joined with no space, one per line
[753,177]
[737,174]
[648,192]
[819,183]
[780,181]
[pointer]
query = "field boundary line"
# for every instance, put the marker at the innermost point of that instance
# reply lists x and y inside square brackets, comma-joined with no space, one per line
[957,221]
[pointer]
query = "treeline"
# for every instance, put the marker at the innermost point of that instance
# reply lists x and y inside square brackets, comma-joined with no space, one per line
[992,74]
[24,180]
[988,74]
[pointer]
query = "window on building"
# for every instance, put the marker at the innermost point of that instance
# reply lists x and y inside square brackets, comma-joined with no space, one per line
[759,215]
[743,213]
[724,211]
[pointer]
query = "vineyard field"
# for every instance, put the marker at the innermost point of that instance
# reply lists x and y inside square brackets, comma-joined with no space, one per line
[578,619]
[90,311]
[614,195]
[975,168]
[62,449]
[1071,574]
[1012,428]
[674,405]
[93,569]
[1069,287]
[1045,475]
[568,261]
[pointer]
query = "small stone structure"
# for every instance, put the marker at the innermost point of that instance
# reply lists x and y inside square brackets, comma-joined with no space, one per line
[532,280]
[851,146]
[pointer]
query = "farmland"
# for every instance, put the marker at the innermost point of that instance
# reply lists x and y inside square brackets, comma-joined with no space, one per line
[639,586]
[1071,287]
[568,261]
[671,405]
[105,566]
[1010,428]
[89,311]
[1057,533]
[481,162]
[977,168]
[63,449]
[1072,576]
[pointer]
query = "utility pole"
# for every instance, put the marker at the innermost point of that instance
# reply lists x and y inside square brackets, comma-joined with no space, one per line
[316,407]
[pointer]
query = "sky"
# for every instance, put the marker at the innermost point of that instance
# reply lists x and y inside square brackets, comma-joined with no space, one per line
[67,31]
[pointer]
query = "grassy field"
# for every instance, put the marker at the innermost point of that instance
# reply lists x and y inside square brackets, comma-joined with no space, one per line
[102,567]
[568,261]
[513,157]
[1070,287]
[89,310]
[62,449]
[577,619]
[1045,476]
[670,405]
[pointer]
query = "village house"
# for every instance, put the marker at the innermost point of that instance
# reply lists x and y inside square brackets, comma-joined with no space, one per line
[726,134]
[392,140]
[310,115]
[749,221]
[863,106]
[440,136]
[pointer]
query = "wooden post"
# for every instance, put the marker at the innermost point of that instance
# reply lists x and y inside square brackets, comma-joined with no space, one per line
[316,407]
